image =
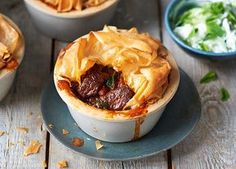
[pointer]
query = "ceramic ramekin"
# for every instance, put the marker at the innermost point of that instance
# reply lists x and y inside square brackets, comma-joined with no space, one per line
[7,76]
[98,123]
[68,26]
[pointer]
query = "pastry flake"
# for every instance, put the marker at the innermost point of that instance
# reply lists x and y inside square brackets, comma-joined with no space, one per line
[65,132]
[98,144]
[33,148]
[43,164]
[22,129]
[2,133]
[62,164]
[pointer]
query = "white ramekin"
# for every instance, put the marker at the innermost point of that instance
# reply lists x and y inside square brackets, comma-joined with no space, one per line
[122,129]
[7,76]
[68,26]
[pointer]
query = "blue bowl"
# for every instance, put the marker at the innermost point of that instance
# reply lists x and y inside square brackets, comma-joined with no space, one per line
[172,13]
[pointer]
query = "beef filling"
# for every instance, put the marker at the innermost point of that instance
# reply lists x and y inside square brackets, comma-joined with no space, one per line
[103,88]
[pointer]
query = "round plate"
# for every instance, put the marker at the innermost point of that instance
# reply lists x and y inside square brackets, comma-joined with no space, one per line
[177,121]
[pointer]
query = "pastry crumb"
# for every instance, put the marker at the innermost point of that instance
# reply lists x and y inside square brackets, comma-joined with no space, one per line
[98,144]
[62,164]
[78,142]
[50,126]
[43,164]
[65,132]
[33,148]
[2,133]
[22,129]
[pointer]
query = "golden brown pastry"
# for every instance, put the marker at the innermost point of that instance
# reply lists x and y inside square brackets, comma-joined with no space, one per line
[140,59]
[69,5]
[9,42]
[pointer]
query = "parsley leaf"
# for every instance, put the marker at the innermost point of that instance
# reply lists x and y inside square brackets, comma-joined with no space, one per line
[184,18]
[204,47]
[210,76]
[217,8]
[214,30]
[101,104]
[111,81]
[193,33]
[224,94]
[231,17]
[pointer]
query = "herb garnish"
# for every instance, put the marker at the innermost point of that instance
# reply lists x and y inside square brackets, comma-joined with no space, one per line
[217,8]
[111,81]
[213,30]
[102,104]
[224,94]
[203,46]
[183,19]
[231,17]
[210,76]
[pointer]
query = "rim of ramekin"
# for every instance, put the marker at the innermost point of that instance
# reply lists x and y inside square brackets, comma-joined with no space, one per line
[21,50]
[44,8]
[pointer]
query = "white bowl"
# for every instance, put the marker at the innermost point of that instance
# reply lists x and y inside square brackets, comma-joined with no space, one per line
[68,26]
[122,129]
[7,76]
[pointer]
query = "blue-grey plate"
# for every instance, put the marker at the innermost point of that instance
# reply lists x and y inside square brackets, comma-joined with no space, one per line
[178,120]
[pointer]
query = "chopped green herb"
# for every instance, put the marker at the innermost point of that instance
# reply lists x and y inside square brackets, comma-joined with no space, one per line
[217,8]
[231,17]
[210,76]
[102,104]
[204,47]
[183,19]
[111,81]
[224,94]
[212,18]
[193,33]
[214,30]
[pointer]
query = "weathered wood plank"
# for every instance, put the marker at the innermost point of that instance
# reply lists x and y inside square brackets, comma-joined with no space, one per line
[144,16]
[212,143]
[129,14]
[25,94]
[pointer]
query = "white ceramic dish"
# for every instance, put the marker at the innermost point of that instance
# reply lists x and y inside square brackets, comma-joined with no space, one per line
[7,76]
[69,26]
[121,129]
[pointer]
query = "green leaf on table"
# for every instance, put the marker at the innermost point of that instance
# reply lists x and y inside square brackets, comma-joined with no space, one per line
[224,94]
[210,76]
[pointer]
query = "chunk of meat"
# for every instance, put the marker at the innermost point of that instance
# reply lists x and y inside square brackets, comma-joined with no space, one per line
[118,97]
[92,82]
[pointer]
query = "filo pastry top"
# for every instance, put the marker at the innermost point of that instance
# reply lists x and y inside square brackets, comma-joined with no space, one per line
[140,58]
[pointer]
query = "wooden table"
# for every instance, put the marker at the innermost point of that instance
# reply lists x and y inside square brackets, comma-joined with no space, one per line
[212,145]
